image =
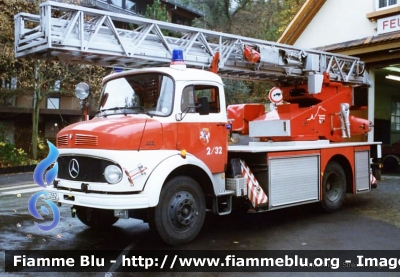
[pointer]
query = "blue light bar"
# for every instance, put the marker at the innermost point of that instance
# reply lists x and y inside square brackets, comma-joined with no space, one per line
[177,55]
[117,69]
[177,61]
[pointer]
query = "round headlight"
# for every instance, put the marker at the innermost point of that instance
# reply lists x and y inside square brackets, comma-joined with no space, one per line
[113,174]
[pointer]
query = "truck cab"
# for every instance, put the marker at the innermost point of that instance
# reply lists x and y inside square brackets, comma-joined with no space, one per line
[152,127]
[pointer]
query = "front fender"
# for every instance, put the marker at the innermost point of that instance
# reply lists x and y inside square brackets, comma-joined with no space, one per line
[161,172]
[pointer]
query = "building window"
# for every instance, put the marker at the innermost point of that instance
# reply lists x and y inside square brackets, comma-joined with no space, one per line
[382,4]
[53,103]
[9,84]
[13,83]
[125,4]
[395,116]
[57,85]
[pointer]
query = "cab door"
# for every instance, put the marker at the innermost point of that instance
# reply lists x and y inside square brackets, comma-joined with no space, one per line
[204,136]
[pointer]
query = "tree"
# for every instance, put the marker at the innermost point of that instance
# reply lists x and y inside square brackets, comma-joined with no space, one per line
[219,15]
[251,18]
[264,19]
[289,10]
[236,91]
[157,11]
[39,76]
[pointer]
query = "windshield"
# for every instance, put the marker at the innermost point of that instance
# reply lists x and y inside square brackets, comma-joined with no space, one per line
[150,93]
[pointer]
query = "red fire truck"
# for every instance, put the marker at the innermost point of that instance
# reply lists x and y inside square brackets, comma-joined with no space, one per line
[164,147]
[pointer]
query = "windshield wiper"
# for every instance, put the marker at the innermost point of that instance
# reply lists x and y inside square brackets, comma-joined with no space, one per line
[140,108]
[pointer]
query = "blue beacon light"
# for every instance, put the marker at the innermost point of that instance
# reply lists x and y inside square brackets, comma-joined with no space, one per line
[177,59]
[117,69]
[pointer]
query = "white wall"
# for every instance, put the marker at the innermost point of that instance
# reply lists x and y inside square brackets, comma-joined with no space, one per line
[338,21]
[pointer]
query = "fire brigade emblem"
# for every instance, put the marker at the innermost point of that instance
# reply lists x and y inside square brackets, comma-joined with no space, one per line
[205,136]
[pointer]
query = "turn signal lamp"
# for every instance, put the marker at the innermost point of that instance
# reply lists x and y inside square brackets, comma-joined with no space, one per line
[177,59]
[183,153]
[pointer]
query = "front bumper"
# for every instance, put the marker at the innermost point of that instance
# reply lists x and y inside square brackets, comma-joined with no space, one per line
[98,200]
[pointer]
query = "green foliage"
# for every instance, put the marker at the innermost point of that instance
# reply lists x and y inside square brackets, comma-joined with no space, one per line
[265,19]
[7,96]
[9,154]
[8,63]
[236,91]
[251,18]
[258,19]
[287,13]
[38,77]
[43,148]
[157,11]
[259,91]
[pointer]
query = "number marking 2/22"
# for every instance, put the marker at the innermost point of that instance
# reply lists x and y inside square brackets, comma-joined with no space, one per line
[217,150]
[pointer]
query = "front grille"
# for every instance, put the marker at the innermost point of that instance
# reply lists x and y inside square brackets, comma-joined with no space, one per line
[62,140]
[86,140]
[89,169]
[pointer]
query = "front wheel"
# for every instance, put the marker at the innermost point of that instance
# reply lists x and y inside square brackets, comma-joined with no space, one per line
[180,213]
[96,218]
[333,187]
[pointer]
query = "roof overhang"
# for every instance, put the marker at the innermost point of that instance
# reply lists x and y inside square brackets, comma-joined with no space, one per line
[372,50]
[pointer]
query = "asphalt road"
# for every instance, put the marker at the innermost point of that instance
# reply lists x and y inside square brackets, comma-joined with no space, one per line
[368,221]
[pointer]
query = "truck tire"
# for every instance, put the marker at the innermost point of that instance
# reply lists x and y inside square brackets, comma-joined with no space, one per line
[180,213]
[333,187]
[98,219]
[391,164]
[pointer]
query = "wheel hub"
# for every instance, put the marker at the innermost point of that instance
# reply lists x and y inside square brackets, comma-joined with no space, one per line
[182,209]
[332,187]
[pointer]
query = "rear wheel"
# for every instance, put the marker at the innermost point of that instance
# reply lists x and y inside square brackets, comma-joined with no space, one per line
[334,187]
[180,213]
[391,164]
[96,218]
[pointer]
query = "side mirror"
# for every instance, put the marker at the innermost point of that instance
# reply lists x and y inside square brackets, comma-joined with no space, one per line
[203,108]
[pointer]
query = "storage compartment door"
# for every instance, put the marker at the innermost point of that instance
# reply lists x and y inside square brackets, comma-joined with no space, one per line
[293,180]
[362,171]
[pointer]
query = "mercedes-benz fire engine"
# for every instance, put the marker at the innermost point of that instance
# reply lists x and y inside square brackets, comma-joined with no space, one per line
[164,147]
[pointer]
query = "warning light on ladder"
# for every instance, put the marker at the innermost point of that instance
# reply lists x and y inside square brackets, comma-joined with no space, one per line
[177,59]
[117,69]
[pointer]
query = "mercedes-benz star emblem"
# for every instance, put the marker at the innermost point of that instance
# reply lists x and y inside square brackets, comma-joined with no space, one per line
[73,168]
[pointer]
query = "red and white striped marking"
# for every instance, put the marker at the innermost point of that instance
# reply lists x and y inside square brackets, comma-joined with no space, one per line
[373,179]
[255,193]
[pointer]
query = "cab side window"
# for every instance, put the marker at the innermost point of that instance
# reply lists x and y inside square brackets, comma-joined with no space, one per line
[188,101]
[190,95]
